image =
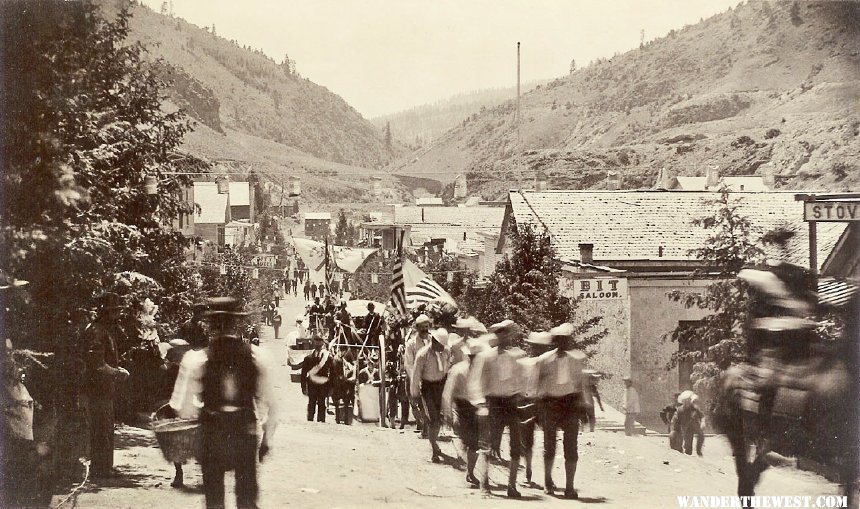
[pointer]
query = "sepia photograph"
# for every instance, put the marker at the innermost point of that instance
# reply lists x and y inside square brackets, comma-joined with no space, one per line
[430,254]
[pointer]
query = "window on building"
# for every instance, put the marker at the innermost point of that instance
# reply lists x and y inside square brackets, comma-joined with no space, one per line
[685,366]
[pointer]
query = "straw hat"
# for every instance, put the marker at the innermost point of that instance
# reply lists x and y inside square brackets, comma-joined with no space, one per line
[563,330]
[474,346]
[539,338]
[440,335]
[422,319]
[470,323]
[687,395]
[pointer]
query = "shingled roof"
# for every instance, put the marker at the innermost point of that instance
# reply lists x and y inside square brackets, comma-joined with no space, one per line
[450,223]
[630,226]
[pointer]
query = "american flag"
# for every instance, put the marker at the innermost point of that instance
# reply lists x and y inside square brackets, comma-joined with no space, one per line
[426,290]
[398,287]
[327,264]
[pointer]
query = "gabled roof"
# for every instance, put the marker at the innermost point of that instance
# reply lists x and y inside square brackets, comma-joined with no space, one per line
[317,215]
[450,223]
[240,194]
[213,206]
[656,225]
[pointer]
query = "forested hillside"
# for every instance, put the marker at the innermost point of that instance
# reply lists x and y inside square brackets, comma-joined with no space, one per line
[766,87]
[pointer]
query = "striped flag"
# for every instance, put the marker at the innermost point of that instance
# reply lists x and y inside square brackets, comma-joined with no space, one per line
[421,288]
[398,287]
[328,264]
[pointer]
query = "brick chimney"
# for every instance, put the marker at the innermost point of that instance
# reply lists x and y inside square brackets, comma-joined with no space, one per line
[613,180]
[662,180]
[586,253]
[768,174]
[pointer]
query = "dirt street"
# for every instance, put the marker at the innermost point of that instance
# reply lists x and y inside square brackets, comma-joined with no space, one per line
[316,465]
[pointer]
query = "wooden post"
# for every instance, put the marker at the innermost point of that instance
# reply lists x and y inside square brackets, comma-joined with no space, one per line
[813,248]
[382,393]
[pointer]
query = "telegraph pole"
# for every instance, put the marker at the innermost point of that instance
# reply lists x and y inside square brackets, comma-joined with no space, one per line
[518,91]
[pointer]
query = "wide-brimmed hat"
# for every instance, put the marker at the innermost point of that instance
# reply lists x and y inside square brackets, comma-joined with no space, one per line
[784,286]
[224,306]
[422,319]
[440,335]
[474,346]
[470,323]
[564,330]
[539,338]
[109,300]
[783,323]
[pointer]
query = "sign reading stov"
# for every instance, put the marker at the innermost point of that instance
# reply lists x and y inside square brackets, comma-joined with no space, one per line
[600,288]
[831,211]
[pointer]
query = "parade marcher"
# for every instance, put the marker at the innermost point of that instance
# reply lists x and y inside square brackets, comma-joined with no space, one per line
[630,407]
[316,372]
[561,383]
[592,395]
[277,320]
[328,313]
[416,342]
[530,406]
[457,409]
[495,385]
[428,380]
[343,320]
[236,390]
[315,314]
[103,372]
[686,423]
[295,287]
[343,384]
[372,324]
[314,291]
[307,290]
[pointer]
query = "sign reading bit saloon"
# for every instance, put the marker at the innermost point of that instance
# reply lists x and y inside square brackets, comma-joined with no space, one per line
[600,288]
[831,211]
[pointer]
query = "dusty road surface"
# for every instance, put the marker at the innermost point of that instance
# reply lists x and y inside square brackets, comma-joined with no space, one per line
[326,465]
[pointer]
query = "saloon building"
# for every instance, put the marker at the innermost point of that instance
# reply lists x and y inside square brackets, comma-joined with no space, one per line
[625,252]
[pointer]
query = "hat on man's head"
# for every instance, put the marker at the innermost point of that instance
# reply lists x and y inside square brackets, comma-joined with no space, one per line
[109,300]
[224,306]
[563,330]
[470,323]
[539,338]
[687,395]
[474,346]
[422,319]
[440,335]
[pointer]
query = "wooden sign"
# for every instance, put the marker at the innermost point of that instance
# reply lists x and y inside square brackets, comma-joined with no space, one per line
[600,288]
[831,211]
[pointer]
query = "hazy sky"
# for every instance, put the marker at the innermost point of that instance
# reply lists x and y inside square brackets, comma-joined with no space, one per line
[384,56]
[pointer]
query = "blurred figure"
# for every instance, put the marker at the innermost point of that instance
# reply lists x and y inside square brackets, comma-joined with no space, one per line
[457,409]
[530,407]
[277,320]
[592,395]
[495,384]
[562,382]
[237,394]
[668,412]
[630,407]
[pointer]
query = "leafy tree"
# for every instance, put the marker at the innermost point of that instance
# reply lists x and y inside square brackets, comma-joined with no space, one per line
[717,341]
[524,288]
[342,236]
[84,126]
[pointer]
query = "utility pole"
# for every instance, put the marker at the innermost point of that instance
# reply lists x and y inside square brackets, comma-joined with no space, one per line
[518,92]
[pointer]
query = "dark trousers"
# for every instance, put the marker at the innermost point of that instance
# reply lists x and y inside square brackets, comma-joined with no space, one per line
[431,397]
[503,412]
[417,407]
[343,406]
[316,401]
[101,415]
[682,440]
[562,413]
[230,443]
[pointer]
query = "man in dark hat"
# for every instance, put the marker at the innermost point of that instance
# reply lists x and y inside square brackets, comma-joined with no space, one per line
[316,373]
[372,324]
[236,384]
[102,374]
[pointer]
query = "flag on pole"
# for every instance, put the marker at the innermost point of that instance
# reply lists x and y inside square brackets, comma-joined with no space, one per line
[421,288]
[327,264]
[398,288]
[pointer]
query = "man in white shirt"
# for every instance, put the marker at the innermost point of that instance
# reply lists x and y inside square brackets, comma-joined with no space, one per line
[630,407]
[561,383]
[495,384]
[428,382]
[417,341]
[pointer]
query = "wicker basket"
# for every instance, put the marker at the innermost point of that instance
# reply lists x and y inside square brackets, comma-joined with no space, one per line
[179,439]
